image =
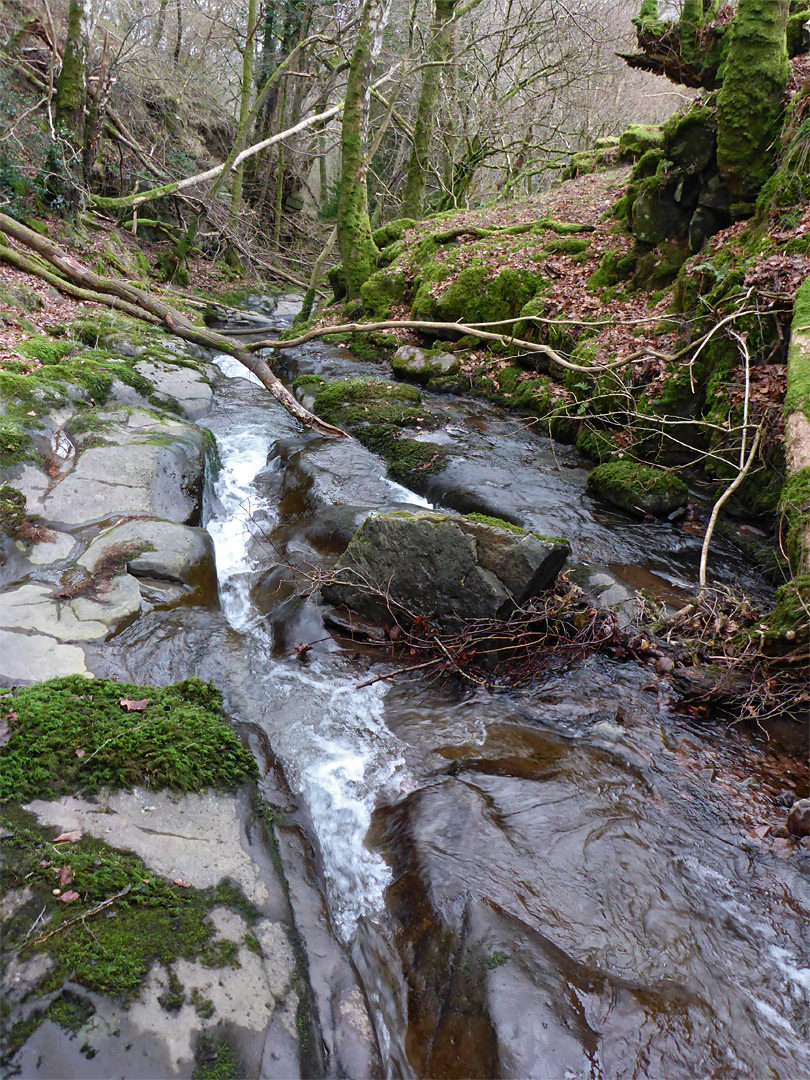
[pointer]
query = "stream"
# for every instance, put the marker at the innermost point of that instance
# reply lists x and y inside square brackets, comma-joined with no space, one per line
[555,882]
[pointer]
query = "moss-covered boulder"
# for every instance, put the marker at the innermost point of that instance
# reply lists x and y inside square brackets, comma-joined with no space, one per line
[379,414]
[637,139]
[443,567]
[421,365]
[637,488]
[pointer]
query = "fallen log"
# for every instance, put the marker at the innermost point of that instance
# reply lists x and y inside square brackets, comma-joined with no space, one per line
[115,293]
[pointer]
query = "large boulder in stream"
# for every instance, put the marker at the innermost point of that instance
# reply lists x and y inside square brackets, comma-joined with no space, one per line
[442,566]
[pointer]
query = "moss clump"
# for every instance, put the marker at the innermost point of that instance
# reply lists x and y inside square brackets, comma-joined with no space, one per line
[309,380]
[15,442]
[638,488]
[216,1060]
[410,459]
[498,523]
[568,245]
[791,611]
[180,740]
[638,139]
[45,350]
[376,412]
[614,266]
[797,394]
[14,520]
[596,443]
[392,231]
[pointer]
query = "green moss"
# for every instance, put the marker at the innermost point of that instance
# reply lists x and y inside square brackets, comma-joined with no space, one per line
[309,380]
[498,523]
[638,139]
[44,349]
[410,459]
[13,516]
[791,611]
[382,290]
[794,506]
[392,231]
[568,245]
[181,740]
[596,443]
[797,394]
[749,104]
[15,442]
[626,483]
[216,1060]
[614,266]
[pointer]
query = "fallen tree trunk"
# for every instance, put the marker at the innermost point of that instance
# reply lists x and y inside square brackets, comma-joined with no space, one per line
[116,293]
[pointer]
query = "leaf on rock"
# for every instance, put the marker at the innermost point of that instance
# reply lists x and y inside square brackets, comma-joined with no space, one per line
[69,837]
[133,706]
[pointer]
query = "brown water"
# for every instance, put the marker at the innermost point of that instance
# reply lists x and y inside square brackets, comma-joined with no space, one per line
[553,883]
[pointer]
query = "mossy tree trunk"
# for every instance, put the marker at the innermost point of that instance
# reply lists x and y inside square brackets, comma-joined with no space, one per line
[749,106]
[71,86]
[438,51]
[358,251]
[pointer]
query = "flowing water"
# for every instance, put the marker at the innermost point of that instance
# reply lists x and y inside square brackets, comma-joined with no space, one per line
[556,882]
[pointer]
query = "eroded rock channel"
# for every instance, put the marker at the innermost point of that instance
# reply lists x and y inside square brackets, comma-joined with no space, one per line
[433,880]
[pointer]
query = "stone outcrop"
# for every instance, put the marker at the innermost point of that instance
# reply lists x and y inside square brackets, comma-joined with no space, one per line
[443,567]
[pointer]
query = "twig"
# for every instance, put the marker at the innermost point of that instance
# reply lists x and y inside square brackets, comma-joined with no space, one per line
[732,487]
[82,917]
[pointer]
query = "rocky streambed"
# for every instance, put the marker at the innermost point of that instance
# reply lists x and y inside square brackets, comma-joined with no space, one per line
[565,880]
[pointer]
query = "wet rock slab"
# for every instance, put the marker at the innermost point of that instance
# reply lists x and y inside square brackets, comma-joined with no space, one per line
[441,566]
[201,839]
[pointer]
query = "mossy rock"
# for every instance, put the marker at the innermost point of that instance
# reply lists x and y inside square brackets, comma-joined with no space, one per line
[475,294]
[382,290]
[421,365]
[637,488]
[392,231]
[637,139]
[179,739]
[614,266]
[377,412]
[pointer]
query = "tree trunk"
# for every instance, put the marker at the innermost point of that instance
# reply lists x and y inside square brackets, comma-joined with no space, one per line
[71,86]
[244,105]
[749,105]
[178,37]
[161,24]
[438,51]
[358,251]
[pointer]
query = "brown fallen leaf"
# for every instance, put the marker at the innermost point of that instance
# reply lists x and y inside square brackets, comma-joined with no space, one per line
[133,706]
[759,831]
[183,884]
[65,876]
[45,864]
[79,753]
[69,896]
[69,837]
